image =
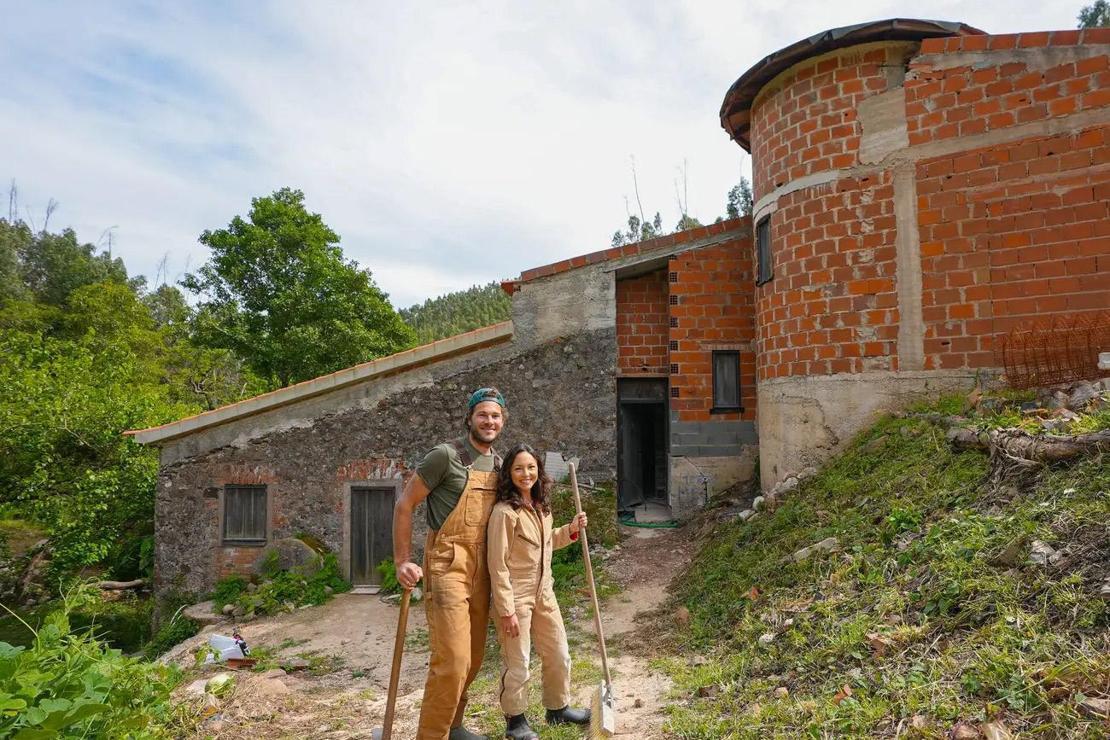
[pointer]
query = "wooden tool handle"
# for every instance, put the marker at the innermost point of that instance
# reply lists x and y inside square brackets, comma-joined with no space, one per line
[590,579]
[395,672]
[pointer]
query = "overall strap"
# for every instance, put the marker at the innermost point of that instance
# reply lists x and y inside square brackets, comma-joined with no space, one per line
[463,452]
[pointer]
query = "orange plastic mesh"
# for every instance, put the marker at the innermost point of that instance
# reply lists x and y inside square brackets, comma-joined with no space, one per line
[1063,349]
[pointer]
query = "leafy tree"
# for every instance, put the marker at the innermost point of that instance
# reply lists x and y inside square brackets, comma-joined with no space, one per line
[455,313]
[51,266]
[739,201]
[278,292]
[1096,15]
[687,222]
[638,230]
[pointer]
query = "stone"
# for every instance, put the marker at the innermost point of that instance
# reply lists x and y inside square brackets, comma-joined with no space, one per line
[252,587]
[829,544]
[1095,707]
[757,503]
[699,660]
[196,688]
[203,613]
[263,687]
[995,730]
[782,692]
[1041,553]
[329,590]
[766,638]
[1104,592]
[228,609]
[294,664]
[273,673]
[1081,395]
[1011,554]
[964,731]
[745,515]
[291,554]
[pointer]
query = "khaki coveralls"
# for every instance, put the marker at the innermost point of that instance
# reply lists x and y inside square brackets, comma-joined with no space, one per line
[456,580]
[520,546]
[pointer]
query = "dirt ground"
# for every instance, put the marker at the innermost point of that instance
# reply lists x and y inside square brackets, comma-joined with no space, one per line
[348,644]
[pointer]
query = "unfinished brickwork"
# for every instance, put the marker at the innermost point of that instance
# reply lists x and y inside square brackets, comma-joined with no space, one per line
[642,325]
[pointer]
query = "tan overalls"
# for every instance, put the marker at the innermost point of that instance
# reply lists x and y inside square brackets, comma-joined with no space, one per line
[456,581]
[520,544]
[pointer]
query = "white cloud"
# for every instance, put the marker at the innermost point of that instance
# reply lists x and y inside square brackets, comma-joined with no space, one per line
[447,145]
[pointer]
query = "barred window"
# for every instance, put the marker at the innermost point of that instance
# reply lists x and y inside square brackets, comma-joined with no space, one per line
[245,509]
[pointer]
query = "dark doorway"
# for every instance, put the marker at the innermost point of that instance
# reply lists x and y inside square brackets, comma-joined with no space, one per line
[371,532]
[641,442]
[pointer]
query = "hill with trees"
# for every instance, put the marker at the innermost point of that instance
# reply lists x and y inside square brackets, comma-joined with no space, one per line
[454,313]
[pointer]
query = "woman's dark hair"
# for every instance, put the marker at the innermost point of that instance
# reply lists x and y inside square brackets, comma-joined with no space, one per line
[541,489]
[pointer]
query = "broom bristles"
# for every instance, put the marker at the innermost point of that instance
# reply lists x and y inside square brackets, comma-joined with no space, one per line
[603,718]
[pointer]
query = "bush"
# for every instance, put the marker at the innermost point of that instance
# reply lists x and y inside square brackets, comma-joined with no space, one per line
[228,590]
[178,629]
[68,683]
[388,571]
[288,589]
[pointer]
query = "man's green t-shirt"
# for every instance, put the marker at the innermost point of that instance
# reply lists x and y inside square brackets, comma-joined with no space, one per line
[445,476]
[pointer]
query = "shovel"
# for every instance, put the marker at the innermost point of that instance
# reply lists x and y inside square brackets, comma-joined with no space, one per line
[385,732]
[603,716]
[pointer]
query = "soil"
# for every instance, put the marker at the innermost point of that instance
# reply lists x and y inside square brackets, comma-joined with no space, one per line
[348,645]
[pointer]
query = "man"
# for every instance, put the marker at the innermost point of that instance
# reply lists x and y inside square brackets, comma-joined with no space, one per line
[459,482]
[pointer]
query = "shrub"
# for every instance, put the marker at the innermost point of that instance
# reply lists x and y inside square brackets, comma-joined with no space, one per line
[388,572]
[228,590]
[175,630]
[288,589]
[68,683]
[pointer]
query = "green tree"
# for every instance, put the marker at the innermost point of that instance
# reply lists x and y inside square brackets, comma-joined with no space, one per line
[454,313]
[51,266]
[739,201]
[278,292]
[638,230]
[1096,15]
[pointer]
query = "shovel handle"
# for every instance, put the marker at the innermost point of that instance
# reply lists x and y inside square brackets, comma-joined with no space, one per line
[395,672]
[590,579]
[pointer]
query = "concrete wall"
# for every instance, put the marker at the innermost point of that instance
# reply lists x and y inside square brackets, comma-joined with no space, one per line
[923,200]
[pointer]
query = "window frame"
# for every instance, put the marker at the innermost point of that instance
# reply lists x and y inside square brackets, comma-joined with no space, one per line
[763,252]
[239,488]
[718,409]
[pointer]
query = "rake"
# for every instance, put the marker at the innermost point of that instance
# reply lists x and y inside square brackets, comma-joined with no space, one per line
[603,715]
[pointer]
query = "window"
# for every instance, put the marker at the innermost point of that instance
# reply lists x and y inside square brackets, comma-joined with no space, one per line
[726,381]
[245,515]
[764,269]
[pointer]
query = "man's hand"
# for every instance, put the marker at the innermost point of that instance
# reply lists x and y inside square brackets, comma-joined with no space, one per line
[409,574]
[511,625]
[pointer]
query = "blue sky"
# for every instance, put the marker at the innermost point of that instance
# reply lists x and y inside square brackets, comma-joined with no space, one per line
[447,143]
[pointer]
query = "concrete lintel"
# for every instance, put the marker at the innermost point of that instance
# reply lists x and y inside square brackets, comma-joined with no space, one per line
[439,350]
[1034,58]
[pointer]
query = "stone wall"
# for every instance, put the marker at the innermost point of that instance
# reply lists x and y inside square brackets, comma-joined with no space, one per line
[561,396]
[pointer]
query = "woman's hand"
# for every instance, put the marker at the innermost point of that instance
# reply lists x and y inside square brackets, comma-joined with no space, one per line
[511,625]
[578,523]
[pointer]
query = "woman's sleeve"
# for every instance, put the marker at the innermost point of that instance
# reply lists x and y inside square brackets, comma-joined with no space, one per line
[562,537]
[499,542]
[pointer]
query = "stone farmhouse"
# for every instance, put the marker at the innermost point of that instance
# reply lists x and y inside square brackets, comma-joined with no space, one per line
[921,188]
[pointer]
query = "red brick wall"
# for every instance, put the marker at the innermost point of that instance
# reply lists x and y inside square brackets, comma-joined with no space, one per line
[807,122]
[999,91]
[642,325]
[832,306]
[713,310]
[1011,233]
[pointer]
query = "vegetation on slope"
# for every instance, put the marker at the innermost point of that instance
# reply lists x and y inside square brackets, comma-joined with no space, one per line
[938,612]
[458,312]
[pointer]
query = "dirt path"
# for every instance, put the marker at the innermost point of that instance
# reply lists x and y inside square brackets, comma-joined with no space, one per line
[348,644]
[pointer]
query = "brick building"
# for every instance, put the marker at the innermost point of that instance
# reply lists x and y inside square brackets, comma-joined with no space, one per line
[921,188]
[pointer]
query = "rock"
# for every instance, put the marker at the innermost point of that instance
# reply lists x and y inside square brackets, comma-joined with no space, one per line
[682,616]
[1081,395]
[263,687]
[745,515]
[294,664]
[289,553]
[757,503]
[1095,707]
[699,660]
[1028,409]
[808,472]
[329,590]
[1043,554]
[918,722]
[991,405]
[788,623]
[196,688]
[963,731]
[203,613]
[252,587]
[876,444]
[782,692]
[829,544]
[995,730]
[228,609]
[1104,592]
[766,638]
[238,611]
[1011,554]
[273,673]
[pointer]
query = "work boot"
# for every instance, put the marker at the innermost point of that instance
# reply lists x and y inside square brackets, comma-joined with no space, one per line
[516,728]
[568,715]
[461,733]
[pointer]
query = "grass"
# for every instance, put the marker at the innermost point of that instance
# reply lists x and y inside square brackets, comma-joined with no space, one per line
[919,613]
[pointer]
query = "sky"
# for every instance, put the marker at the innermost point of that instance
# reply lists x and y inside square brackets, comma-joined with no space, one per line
[448,144]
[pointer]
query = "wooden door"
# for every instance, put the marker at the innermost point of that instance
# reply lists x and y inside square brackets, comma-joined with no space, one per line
[371,532]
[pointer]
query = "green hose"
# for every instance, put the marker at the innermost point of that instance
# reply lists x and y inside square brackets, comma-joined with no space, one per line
[629,520]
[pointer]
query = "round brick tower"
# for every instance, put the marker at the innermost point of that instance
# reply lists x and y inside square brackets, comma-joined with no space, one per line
[877,160]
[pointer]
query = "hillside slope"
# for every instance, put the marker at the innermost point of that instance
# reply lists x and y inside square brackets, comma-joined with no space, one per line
[948,606]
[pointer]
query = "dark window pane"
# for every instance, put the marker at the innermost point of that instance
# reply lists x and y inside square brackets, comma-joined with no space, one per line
[726,380]
[764,270]
[245,513]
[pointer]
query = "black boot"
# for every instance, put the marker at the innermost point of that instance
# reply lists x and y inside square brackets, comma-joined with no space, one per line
[516,728]
[461,733]
[568,715]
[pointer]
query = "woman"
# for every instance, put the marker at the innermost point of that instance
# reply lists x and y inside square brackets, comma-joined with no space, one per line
[520,539]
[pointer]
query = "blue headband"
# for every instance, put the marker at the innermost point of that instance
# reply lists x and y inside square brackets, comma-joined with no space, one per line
[485,394]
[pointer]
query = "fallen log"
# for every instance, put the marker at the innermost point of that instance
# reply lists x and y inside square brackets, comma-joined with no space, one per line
[121,585]
[1019,445]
